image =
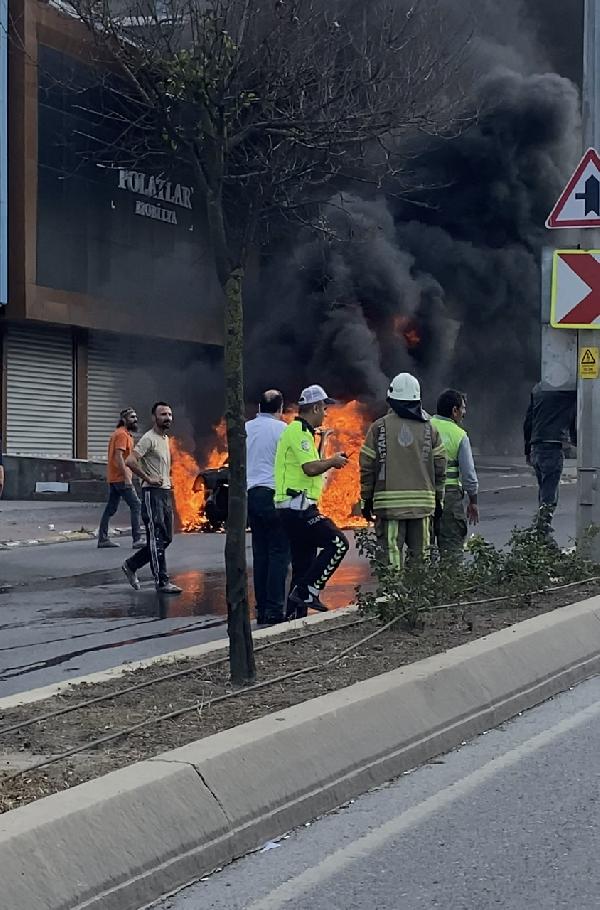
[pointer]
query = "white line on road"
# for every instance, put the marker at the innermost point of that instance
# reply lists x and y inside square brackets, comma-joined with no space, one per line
[359,849]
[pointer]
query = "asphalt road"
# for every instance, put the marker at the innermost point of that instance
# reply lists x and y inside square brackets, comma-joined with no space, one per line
[508,821]
[71,612]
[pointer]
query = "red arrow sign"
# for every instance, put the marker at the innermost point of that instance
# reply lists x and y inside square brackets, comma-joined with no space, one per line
[588,269]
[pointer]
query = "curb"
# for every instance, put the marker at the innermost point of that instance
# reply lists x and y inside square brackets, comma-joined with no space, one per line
[62,537]
[122,841]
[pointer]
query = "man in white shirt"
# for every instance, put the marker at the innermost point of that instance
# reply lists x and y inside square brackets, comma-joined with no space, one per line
[270,547]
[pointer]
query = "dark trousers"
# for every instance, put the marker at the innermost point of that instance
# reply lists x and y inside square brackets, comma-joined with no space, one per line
[451,527]
[118,491]
[310,532]
[157,515]
[270,554]
[547,460]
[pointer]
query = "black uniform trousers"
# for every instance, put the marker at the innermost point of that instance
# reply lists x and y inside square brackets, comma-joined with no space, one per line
[157,515]
[317,546]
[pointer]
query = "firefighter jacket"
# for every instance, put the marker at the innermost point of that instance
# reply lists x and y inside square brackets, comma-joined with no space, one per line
[403,467]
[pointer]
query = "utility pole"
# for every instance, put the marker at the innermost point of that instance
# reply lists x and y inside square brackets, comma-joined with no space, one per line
[588,391]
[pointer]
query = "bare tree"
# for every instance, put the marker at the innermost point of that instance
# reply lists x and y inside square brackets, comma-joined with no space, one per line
[271,103]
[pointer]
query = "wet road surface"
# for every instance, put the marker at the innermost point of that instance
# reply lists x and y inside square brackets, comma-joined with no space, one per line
[70,611]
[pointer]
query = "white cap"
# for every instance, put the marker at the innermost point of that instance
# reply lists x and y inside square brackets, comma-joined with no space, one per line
[314,394]
[404,387]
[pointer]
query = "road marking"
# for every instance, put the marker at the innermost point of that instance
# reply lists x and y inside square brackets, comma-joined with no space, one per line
[359,849]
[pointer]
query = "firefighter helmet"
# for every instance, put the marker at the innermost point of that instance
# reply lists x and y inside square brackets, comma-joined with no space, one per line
[404,387]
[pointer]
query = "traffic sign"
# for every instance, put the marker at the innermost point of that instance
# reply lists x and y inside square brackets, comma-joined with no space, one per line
[575,289]
[589,363]
[579,203]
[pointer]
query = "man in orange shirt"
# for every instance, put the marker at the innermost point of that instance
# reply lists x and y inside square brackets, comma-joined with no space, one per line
[120,480]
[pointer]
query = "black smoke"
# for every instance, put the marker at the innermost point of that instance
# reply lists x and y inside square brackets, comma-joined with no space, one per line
[439,273]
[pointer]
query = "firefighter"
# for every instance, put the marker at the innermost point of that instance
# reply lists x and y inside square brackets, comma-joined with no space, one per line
[299,475]
[402,473]
[461,477]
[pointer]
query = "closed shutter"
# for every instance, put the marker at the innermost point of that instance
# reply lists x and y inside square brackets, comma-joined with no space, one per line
[121,374]
[39,392]
[107,384]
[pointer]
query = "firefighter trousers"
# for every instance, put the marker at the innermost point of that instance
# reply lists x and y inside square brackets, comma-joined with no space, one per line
[394,533]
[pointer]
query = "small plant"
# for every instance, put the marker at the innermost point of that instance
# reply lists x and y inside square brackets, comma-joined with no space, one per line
[530,563]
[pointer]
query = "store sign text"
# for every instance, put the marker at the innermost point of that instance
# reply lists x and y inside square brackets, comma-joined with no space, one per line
[158,188]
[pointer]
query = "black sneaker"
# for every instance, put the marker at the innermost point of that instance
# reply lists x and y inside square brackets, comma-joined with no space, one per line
[307,602]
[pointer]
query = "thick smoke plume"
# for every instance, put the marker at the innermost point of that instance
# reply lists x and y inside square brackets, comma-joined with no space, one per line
[440,276]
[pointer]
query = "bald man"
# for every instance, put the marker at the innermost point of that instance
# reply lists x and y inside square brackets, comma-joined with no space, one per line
[270,547]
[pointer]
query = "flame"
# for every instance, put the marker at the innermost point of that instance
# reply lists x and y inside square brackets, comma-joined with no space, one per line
[188,490]
[340,500]
[406,327]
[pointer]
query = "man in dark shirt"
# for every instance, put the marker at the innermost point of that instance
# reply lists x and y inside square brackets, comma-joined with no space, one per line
[549,428]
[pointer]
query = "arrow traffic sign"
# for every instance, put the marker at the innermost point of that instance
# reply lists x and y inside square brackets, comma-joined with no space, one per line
[579,202]
[575,289]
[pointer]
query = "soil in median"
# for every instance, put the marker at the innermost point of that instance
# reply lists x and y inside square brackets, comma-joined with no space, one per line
[314,645]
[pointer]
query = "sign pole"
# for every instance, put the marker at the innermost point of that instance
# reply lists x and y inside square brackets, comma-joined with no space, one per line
[588,390]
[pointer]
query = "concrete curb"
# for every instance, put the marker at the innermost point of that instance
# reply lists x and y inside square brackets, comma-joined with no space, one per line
[31,696]
[61,537]
[119,842]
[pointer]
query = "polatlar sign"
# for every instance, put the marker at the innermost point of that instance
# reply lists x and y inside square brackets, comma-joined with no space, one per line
[3,152]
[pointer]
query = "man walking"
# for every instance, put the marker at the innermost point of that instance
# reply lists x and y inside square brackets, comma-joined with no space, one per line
[461,477]
[151,461]
[402,473]
[120,480]
[550,426]
[299,475]
[270,547]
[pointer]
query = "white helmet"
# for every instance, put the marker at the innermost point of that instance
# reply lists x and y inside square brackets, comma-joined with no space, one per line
[404,387]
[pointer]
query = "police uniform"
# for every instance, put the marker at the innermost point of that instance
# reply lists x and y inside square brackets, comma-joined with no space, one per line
[317,545]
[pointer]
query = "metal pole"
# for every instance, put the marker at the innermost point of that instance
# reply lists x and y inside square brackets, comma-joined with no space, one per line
[588,397]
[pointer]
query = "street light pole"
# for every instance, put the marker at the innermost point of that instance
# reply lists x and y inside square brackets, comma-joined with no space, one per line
[588,390]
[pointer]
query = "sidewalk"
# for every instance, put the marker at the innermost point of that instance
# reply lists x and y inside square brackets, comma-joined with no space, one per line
[26,523]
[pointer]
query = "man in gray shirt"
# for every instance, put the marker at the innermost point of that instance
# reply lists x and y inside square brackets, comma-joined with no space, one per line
[151,461]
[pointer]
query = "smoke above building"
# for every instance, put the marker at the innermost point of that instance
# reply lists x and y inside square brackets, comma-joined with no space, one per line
[439,272]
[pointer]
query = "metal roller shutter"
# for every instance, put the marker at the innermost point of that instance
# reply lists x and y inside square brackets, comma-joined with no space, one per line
[121,374]
[107,381]
[39,392]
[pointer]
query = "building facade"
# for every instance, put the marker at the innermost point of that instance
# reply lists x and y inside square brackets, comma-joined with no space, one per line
[112,296]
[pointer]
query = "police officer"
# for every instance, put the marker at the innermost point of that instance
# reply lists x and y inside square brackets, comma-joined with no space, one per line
[461,476]
[299,475]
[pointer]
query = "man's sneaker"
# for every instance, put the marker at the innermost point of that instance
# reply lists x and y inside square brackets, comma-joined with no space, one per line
[305,599]
[131,577]
[169,588]
[107,544]
[139,544]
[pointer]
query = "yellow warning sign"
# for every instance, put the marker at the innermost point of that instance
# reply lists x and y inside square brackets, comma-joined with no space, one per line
[589,363]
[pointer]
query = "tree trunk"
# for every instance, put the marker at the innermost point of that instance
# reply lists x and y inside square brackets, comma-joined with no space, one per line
[241,650]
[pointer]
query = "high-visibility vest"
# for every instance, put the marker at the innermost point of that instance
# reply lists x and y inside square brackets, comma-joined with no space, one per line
[452,436]
[296,447]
